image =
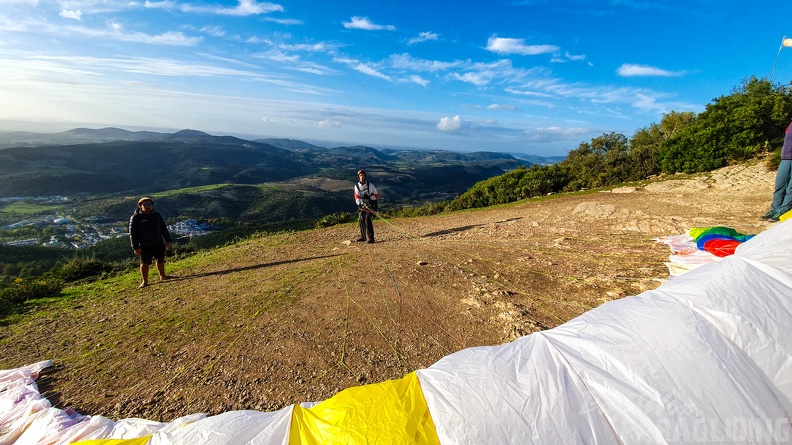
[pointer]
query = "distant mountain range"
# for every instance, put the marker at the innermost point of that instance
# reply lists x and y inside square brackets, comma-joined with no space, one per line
[9,139]
[114,162]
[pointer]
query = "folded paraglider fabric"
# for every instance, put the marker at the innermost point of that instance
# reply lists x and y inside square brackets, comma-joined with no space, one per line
[720,241]
[726,232]
[699,246]
[721,247]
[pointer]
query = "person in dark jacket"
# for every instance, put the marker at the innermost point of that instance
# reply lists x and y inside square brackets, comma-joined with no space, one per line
[782,195]
[150,238]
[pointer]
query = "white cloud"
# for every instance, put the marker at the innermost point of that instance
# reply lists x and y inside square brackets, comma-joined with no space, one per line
[167,5]
[286,22]
[168,38]
[526,93]
[638,98]
[419,80]
[160,5]
[423,37]
[148,66]
[330,123]
[292,61]
[365,23]
[321,47]
[314,68]
[568,58]
[214,31]
[244,8]
[481,74]
[295,62]
[371,71]
[503,107]
[630,70]
[363,68]
[115,31]
[76,14]
[502,45]
[74,68]
[480,78]
[407,62]
[450,123]
[278,56]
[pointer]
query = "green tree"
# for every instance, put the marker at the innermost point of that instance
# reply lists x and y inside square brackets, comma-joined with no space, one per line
[755,112]
[599,162]
[644,158]
[674,122]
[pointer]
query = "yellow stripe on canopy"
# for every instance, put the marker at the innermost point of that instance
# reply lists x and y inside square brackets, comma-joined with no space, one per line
[138,441]
[392,412]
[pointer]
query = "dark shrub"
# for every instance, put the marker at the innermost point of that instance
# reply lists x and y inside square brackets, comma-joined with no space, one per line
[24,289]
[78,269]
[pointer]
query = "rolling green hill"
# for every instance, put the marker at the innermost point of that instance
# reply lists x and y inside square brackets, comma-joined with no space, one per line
[305,180]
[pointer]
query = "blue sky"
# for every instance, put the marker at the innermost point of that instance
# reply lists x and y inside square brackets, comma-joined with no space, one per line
[530,76]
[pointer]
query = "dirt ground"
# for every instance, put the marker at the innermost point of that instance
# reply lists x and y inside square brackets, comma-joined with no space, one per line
[298,317]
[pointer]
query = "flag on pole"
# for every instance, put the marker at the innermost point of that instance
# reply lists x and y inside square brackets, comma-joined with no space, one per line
[787,42]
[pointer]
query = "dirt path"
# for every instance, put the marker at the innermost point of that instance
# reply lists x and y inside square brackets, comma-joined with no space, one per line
[298,317]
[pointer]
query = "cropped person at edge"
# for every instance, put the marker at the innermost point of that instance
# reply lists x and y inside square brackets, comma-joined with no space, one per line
[782,196]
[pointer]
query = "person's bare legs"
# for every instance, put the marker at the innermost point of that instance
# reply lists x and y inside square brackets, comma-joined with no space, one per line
[144,272]
[161,270]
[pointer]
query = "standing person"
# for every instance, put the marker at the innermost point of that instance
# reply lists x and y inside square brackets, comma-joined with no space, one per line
[149,236]
[366,199]
[782,196]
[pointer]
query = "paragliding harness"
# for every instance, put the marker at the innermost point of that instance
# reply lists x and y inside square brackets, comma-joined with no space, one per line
[368,203]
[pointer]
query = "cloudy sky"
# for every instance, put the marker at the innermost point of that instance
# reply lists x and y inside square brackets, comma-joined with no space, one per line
[531,76]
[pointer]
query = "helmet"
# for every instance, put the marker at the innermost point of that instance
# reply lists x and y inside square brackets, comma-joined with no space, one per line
[361,171]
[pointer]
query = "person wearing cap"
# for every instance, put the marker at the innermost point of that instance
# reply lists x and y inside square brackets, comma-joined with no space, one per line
[782,195]
[366,197]
[150,238]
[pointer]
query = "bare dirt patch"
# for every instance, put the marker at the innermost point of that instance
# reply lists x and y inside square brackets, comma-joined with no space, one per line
[298,317]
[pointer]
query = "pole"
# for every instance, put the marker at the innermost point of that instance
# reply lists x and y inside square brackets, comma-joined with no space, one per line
[776,61]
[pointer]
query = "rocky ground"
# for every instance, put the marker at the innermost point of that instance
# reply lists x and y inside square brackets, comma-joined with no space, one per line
[298,317]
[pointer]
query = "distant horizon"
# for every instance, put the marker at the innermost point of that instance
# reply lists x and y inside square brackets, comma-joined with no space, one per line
[520,76]
[47,128]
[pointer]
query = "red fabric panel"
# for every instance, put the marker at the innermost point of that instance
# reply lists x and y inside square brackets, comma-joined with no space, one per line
[721,247]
